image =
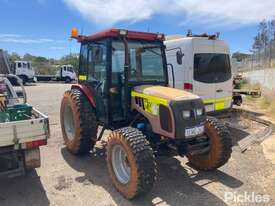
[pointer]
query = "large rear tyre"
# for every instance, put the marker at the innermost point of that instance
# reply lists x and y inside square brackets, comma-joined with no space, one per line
[220,147]
[131,163]
[78,122]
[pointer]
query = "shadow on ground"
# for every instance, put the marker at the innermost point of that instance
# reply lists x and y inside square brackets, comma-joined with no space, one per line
[237,135]
[23,191]
[174,185]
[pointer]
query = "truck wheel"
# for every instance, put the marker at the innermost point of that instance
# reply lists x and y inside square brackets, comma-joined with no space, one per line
[78,122]
[220,147]
[131,163]
[68,80]
[24,79]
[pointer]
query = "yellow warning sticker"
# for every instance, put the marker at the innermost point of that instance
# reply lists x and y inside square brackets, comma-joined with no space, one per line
[82,77]
[219,106]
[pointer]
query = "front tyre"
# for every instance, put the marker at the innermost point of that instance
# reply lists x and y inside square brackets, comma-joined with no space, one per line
[131,163]
[220,147]
[78,122]
[68,80]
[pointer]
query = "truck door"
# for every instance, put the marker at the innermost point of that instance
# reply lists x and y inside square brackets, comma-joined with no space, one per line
[18,68]
[203,80]
[224,85]
[61,73]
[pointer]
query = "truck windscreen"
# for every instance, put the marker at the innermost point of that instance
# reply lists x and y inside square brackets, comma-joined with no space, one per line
[212,68]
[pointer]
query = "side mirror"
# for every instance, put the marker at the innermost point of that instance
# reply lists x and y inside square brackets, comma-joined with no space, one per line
[180,55]
[97,54]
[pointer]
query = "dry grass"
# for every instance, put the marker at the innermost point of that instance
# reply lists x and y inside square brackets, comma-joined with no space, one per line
[266,102]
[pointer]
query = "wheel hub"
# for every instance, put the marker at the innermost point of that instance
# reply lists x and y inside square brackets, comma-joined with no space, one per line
[69,122]
[120,164]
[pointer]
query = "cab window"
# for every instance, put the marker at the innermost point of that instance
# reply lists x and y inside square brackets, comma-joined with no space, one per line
[118,58]
[97,61]
[70,69]
[212,67]
[83,64]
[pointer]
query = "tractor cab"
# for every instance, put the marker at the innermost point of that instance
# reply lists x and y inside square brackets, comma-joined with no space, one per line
[113,62]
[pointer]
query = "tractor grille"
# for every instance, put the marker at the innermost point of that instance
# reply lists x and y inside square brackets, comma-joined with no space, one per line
[182,124]
[165,118]
[140,102]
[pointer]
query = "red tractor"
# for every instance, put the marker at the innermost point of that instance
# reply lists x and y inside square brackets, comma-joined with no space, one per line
[123,86]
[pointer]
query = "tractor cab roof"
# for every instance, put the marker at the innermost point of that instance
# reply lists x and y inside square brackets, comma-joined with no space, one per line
[116,33]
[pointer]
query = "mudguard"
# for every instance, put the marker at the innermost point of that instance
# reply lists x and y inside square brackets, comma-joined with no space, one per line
[87,91]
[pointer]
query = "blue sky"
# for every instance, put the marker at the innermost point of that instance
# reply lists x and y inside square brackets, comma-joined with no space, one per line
[42,27]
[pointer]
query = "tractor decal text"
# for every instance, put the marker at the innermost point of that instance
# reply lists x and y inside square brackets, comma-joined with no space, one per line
[150,103]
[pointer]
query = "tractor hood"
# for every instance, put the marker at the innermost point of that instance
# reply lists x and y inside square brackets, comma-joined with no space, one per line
[164,107]
[168,93]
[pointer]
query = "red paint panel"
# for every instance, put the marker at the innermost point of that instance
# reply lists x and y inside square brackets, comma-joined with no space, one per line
[87,91]
[113,33]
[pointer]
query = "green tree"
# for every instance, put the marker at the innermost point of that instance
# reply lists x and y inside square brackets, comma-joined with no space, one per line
[72,59]
[14,57]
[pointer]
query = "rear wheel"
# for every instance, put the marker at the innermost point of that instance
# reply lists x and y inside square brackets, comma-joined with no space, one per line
[78,122]
[131,162]
[220,147]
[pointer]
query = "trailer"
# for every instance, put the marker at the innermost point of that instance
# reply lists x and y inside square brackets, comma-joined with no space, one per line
[23,129]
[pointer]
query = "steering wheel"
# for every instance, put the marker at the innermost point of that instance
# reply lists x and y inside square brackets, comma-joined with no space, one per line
[99,84]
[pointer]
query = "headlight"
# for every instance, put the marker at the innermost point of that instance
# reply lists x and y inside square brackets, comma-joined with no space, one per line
[186,114]
[199,112]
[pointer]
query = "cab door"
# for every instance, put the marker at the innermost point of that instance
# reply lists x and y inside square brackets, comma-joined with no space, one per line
[93,73]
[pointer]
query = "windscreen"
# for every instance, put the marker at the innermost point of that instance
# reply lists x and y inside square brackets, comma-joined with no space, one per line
[211,67]
[146,61]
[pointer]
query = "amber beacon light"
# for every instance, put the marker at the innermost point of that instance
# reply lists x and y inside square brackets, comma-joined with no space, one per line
[74,33]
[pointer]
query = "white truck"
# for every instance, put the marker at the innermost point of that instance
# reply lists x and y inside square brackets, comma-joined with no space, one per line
[23,130]
[202,65]
[66,73]
[24,70]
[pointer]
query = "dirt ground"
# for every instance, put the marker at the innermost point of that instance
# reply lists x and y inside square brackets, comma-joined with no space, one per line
[64,179]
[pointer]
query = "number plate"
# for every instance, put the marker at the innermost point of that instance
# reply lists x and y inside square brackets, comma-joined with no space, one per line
[194,131]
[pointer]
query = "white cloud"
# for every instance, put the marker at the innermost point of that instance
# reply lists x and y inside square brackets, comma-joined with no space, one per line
[14,38]
[9,35]
[112,11]
[216,12]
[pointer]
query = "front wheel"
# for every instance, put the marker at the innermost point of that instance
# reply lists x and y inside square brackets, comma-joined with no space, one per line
[68,80]
[131,163]
[220,147]
[24,79]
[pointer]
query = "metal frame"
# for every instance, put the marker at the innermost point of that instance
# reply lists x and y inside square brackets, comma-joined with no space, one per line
[19,158]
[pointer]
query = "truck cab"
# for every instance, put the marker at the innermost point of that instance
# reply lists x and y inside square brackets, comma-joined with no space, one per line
[24,70]
[66,73]
[205,69]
